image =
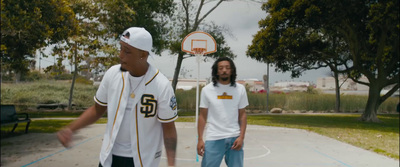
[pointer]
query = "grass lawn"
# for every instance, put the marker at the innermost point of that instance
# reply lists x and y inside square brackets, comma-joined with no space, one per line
[38,126]
[382,138]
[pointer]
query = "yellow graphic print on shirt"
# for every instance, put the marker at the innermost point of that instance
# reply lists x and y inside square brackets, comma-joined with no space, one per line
[224,96]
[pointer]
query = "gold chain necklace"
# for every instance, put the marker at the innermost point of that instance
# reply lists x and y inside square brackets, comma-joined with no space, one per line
[132,95]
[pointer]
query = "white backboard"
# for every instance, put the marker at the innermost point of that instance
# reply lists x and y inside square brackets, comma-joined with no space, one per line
[199,39]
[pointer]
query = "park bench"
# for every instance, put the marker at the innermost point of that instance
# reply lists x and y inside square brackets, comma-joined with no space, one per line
[52,106]
[10,116]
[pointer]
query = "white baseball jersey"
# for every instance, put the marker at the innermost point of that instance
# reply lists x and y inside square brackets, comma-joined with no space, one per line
[223,103]
[155,103]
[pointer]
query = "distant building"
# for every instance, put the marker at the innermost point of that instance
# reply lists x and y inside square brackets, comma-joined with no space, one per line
[288,86]
[348,86]
[291,84]
[187,84]
[328,83]
[254,85]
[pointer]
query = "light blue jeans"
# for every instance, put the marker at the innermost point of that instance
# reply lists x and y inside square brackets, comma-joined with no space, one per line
[216,149]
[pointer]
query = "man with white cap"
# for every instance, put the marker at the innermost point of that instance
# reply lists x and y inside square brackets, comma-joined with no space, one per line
[141,108]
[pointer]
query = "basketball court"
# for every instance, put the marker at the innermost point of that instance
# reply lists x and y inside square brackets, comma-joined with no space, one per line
[264,146]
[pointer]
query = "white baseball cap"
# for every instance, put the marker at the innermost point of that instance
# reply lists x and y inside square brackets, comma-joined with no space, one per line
[139,38]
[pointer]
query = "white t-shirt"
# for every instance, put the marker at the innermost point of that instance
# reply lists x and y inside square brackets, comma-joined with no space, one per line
[122,146]
[223,103]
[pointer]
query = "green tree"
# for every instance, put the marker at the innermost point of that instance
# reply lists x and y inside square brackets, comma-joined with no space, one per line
[57,69]
[117,15]
[85,42]
[189,19]
[93,47]
[30,25]
[153,15]
[361,38]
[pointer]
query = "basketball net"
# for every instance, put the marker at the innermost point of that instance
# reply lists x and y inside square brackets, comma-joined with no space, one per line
[199,52]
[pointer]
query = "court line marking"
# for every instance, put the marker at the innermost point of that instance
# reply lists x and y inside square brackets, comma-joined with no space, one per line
[65,149]
[326,155]
[262,155]
[249,158]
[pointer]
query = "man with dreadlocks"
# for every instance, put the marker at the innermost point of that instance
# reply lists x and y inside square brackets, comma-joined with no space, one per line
[222,106]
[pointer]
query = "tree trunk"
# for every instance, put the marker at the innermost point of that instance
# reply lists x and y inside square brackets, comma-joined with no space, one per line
[337,91]
[17,77]
[370,113]
[71,91]
[177,70]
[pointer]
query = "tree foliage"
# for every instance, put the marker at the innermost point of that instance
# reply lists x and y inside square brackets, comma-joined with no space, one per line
[115,16]
[361,38]
[29,25]
[153,15]
[100,22]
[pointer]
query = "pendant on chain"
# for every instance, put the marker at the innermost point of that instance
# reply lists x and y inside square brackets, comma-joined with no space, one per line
[132,95]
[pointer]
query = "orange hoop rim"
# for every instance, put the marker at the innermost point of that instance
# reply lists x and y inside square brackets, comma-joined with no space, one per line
[199,51]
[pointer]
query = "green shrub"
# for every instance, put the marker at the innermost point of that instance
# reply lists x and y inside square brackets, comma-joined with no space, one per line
[83,80]
[186,99]
[47,92]
[63,76]
[312,90]
[315,102]
[7,77]
[32,76]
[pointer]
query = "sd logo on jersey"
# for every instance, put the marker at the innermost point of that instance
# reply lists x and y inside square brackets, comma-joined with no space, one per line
[172,103]
[149,105]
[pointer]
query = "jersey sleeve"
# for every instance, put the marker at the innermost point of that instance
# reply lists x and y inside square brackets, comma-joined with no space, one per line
[203,99]
[243,98]
[167,105]
[101,94]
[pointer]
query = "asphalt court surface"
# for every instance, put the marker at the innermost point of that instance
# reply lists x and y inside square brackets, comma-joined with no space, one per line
[264,147]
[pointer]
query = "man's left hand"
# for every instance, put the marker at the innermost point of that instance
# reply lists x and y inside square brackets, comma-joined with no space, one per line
[237,145]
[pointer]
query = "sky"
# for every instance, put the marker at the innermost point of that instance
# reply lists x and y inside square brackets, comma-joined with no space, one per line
[241,17]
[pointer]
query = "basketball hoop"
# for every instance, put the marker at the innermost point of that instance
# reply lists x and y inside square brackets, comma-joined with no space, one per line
[198,43]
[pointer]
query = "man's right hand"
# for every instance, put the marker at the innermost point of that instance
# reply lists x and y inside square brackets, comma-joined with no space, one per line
[65,136]
[200,147]
[90,116]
